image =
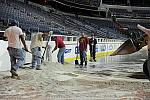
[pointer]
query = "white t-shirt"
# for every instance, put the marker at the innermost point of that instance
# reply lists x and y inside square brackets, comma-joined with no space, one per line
[12,33]
[37,40]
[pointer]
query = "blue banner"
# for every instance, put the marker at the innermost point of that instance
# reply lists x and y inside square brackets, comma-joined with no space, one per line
[68,51]
[77,50]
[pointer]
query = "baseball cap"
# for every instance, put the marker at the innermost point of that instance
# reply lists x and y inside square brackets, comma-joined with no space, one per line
[13,23]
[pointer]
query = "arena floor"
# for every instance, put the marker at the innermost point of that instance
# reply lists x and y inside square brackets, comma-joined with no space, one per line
[110,78]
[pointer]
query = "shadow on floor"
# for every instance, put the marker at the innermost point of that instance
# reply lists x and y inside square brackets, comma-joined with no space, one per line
[137,75]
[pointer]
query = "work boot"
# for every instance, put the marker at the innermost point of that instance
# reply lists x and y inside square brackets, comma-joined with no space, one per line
[13,72]
[81,65]
[38,68]
[15,77]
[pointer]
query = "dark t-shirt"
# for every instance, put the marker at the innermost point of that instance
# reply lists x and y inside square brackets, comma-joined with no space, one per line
[92,42]
[83,41]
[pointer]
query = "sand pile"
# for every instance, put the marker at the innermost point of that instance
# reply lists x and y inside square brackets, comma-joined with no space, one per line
[56,81]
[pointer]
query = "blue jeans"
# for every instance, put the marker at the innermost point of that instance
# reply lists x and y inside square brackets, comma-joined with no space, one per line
[83,58]
[60,55]
[24,55]
[16,57]
[36,57]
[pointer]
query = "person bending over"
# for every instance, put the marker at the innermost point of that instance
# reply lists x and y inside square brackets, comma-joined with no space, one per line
[59,44]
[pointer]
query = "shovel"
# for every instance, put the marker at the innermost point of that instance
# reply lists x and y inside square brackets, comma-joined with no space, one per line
[76,61]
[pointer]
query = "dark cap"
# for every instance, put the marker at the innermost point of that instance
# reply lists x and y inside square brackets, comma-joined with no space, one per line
[13,23]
